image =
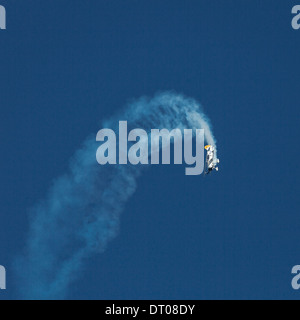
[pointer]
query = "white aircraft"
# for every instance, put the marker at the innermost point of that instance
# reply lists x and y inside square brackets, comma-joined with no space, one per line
[211,161]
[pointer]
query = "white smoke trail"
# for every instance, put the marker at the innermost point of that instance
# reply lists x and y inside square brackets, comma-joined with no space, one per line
[80,214]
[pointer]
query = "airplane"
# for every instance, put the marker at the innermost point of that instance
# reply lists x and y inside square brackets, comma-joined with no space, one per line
[211,162]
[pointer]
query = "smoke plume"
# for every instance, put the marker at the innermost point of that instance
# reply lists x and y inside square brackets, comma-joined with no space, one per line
[81,212]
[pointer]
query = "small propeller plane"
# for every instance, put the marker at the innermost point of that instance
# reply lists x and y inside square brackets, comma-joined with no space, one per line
[211,161]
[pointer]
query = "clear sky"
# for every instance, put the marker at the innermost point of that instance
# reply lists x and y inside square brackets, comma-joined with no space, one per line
[67,65]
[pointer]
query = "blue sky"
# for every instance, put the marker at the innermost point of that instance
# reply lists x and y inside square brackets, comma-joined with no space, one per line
[67,65]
